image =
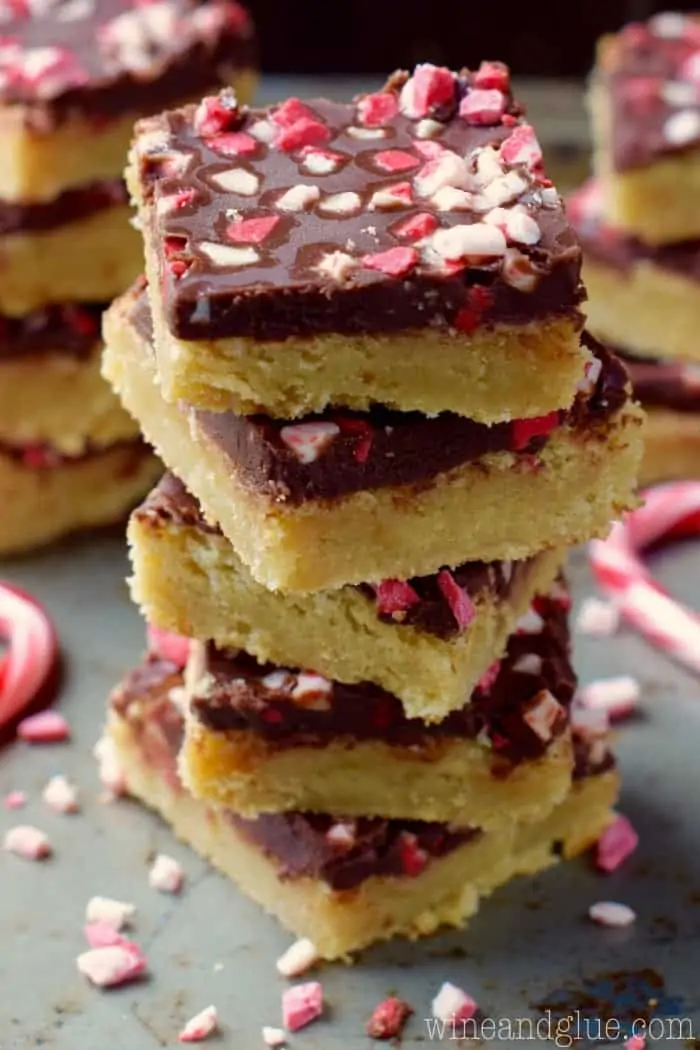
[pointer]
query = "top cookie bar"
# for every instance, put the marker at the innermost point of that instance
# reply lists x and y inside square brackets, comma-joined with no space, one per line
[316,252]
[72,72]
[645,106]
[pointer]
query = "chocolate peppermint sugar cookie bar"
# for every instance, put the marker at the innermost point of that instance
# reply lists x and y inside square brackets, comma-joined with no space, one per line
[405,249]
[427,640]
[345,882]
[643,297]
[645,107]
[76,74]
[349,497]
[263,738]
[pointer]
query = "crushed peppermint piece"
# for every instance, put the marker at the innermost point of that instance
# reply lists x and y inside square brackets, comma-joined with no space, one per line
[168,645]
[114,913]
[388,1018]
[273,1037]
[112,965]
[297,198]
[301,1004]
[611,913]
[14,800]
[461,605]
[200,1027]
[102,935]
[312,690]
[309,440]
[46,727]
[453,1004]
[618,696]
[61,795]
[530,622]
[635,1042]
[395,596]
[616,844]
[27,842]
[166,874]
[542,714]
[598,618]
[298,958]
[682,127]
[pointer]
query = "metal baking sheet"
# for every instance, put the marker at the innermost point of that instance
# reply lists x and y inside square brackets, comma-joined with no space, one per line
[530,945]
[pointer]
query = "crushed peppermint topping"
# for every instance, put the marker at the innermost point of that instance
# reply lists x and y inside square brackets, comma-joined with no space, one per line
[61,795]
[616,844]
[109,911]
[166,874]
[27,842]
[618,696]
[301,1004]
[453,1004]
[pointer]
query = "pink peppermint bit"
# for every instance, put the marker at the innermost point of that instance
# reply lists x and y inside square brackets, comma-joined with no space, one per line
[60,795]
[102,935]
[616,844]
[168,645]
[388,1018]
[298,958]
[453,1004]
[461,605]
[636,1042]
[395,596]
[27,842]
[610,913]
[112,965]
[618,697]
[301,1004]
[46,727]
[200,1026]
[166,874]
[14,800]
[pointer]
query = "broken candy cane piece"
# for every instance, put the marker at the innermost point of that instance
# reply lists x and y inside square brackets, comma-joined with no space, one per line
[616,844]
[309,440]
[298,958]
[27,842]
[102,935]
[301,1004]
[32,650]
[166,874]
[14,800]
[112,965]
[46,727]
[273,1037]
[200,1026]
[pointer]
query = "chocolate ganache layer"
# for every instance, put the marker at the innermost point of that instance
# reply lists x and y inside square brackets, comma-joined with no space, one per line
[108,58]
[68,328]
[70,206]
[423,605]
[277,223]
[356,451]
[291,708]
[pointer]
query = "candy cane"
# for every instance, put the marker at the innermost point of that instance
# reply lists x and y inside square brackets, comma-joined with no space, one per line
[669,511]
[31,654]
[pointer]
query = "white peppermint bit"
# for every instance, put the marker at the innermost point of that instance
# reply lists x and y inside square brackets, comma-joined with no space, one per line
[298,198]
[611,913]
[340,203]
[237,180]
[114,913]
[166,874]
[597,617]
[337,265]
[542,714]
[682,128]
[298,958]
[61,795]
[227,255]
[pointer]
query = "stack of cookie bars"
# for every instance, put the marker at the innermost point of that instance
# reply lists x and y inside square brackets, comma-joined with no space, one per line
[359,350]
[639,225]
[74,75]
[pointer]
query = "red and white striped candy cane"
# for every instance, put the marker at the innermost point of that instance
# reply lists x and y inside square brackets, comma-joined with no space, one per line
[669,512]
[32,650]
